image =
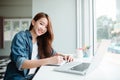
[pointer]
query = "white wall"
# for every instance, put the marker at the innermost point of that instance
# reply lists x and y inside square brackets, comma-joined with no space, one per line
[16,8]
[63,16]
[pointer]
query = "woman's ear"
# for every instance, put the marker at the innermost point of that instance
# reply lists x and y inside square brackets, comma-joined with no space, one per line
[33,22]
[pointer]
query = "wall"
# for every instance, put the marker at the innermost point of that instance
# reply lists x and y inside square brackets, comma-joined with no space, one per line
[14,8]
[62,13]
[63,16]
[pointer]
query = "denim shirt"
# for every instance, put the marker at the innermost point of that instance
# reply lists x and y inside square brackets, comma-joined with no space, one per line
[21,50]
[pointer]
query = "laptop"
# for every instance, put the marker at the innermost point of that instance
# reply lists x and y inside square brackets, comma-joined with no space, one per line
[82,68]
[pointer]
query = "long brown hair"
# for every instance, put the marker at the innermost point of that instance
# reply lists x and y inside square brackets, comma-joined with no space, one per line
[44,41]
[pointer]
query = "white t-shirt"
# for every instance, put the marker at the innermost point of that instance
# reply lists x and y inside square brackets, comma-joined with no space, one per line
[34,56]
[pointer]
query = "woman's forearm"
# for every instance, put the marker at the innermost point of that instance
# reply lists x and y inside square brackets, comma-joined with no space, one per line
[27,64]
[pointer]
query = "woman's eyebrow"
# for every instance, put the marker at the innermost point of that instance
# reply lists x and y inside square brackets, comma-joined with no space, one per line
[44,23]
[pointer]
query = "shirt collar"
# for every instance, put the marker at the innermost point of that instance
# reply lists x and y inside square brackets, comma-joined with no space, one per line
[28,33]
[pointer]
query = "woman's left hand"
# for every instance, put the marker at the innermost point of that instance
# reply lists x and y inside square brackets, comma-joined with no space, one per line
[68,58]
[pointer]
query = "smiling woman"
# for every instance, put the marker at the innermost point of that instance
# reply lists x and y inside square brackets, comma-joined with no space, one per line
[32,48]
[40,26]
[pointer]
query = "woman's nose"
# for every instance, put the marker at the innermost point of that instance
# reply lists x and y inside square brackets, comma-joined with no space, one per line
[43,29]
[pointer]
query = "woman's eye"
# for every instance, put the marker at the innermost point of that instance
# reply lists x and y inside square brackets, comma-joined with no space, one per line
[41,23]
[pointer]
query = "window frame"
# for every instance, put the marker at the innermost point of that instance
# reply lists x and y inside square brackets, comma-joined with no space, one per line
[86,25]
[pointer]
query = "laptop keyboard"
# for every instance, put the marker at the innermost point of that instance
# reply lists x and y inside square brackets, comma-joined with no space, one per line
[81,67]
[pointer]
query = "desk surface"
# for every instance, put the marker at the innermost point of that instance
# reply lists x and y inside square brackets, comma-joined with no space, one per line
[109,69]
[47,73]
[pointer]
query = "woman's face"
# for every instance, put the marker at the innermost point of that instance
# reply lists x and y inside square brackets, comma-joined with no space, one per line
[40,26]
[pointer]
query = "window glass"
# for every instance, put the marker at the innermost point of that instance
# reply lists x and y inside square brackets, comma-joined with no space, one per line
[12,26]
[108,24]
[7,30]
[106,21]
[25,25]
[15,27]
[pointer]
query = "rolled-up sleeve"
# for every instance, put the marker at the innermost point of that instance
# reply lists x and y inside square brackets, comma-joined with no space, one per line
[18,50]
[19,63]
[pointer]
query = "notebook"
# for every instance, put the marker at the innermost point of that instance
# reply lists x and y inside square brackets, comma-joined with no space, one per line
[82,68]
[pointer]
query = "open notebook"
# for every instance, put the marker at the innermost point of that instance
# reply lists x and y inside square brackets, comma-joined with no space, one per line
[82,68]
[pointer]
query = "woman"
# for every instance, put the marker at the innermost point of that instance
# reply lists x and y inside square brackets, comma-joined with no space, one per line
[31,49]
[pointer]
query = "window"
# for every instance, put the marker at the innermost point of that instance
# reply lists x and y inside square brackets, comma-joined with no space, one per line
[108,24]
[12,26]
[85,26]
[98,20]
[107,20]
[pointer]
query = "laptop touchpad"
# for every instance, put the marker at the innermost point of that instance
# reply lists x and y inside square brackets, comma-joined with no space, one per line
[81,67]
